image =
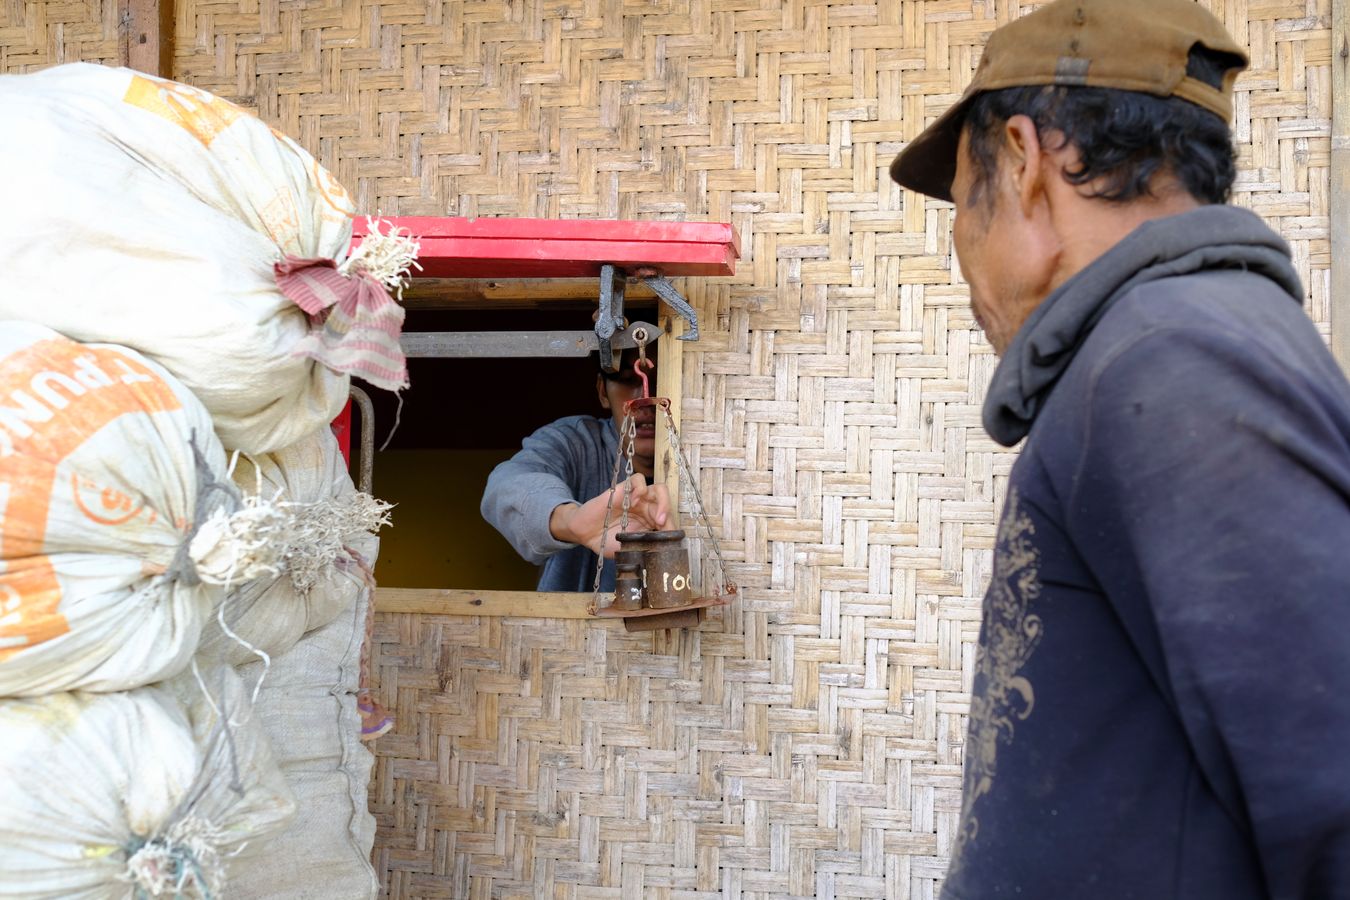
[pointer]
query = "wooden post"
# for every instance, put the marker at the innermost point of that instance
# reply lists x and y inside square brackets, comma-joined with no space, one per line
[669,379]
[1340,181]
[146,36]
[669,375]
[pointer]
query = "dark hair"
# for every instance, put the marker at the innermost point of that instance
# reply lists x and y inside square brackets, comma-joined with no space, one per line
[1123,138]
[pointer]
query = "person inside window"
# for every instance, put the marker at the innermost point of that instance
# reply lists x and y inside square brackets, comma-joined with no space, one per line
[550,499]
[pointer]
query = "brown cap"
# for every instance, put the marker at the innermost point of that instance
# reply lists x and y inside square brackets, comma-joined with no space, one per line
[1132,45]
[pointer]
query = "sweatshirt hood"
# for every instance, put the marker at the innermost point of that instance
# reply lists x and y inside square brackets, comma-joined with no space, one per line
[1209,238]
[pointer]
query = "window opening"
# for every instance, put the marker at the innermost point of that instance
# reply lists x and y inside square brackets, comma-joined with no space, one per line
[460,418]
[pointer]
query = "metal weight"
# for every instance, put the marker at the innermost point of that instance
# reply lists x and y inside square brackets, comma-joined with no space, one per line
[665,564]
[628,592]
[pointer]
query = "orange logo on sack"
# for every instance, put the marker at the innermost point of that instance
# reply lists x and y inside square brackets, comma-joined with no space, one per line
[202,114]
[105,505]
[54,396]
[281,222]
[29,599]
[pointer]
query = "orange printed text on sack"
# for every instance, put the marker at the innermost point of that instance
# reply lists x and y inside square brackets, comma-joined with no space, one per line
[54,396]
[106,505]
[201,114]
[30,599]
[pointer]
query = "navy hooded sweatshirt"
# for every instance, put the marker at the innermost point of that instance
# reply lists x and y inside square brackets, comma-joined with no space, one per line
[1161,701]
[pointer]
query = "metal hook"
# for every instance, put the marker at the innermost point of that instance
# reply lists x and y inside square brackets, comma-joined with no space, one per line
[640,337]
[638,367]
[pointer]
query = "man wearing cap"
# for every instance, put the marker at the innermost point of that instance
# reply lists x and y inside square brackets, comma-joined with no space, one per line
[1161,698]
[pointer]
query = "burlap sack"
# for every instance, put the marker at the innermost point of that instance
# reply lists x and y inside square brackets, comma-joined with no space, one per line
[164,791]
[118,523]
[171,209]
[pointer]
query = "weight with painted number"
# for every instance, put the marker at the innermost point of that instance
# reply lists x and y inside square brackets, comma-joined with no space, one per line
[665,564]
[628,593]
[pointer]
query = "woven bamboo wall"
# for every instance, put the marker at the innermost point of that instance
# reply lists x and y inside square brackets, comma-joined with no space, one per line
[35,34]
[808,742]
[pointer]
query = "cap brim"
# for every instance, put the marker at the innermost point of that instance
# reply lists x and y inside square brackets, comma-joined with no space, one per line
[928,164]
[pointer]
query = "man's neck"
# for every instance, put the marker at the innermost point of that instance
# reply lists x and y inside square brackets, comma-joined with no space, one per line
[1089,228]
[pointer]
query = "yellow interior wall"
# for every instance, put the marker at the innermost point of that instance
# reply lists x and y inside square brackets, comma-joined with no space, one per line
[438,538]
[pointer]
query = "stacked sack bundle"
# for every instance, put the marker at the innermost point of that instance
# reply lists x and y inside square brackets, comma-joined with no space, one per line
[119,532]
[308,708]
[301,634]
[162,791]
[172,502]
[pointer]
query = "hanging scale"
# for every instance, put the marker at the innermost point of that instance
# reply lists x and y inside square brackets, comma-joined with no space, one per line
[654,586]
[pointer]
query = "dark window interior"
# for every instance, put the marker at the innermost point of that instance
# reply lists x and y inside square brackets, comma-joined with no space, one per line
[459,418]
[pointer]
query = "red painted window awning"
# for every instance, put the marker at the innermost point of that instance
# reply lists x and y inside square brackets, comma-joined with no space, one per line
[564,248]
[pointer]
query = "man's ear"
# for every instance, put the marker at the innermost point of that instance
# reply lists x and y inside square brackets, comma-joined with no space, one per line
[1026,158]
[604,394]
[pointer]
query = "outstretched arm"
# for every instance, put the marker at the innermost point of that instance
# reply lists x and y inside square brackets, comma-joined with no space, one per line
[584,523]
[529,498]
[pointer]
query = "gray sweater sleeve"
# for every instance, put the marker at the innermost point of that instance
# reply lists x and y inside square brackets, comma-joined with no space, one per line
[557,464]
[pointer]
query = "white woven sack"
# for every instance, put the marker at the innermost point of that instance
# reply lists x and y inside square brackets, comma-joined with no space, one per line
[324,566]
[308,706]
[115,533]
[168,207]
[163,791]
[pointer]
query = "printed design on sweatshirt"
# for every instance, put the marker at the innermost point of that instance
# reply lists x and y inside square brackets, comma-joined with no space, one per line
[1002,695]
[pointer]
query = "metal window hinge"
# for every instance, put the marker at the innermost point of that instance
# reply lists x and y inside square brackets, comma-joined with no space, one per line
[609,317]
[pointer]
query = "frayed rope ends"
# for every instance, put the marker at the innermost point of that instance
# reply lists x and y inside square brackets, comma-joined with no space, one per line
[235,547]
[232,540]
[181,862]
[388,257]
[321,531]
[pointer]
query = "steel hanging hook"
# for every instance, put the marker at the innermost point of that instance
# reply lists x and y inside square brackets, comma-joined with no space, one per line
[640,337]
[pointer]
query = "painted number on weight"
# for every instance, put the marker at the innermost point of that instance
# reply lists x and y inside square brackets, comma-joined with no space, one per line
[678,583]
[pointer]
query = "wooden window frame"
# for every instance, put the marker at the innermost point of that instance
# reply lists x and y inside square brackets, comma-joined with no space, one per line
[511,249]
